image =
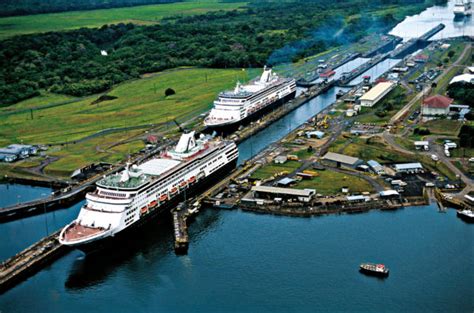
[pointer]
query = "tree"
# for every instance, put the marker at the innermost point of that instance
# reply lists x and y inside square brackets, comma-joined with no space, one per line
[169,92]
[451,54]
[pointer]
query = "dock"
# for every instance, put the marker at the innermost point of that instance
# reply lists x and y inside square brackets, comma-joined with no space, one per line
[181,238]
[346,79]
[413,43]
[31,260]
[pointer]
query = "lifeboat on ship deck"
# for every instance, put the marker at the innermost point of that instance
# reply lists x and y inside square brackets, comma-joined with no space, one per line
[192,179]
[163,197]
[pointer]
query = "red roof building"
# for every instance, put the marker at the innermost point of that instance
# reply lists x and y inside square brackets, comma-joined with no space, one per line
[435,106]
[327,74]
[421,57]
[437,101]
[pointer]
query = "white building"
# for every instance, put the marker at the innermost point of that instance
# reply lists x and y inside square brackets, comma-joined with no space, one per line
[376,167]
[467,78]
[408,168]
[435,106]
[422,145]
[374,95]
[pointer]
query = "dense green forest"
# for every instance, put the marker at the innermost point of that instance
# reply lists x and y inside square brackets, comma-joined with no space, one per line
[462,92]
[26,7]
[71,62]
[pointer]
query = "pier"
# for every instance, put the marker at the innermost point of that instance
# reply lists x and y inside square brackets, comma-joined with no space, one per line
[181,238]
[346,79]
[31,260]
[413,43]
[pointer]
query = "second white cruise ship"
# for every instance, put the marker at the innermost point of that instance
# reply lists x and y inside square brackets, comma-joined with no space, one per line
[462,8]
[245,101]
[124,201]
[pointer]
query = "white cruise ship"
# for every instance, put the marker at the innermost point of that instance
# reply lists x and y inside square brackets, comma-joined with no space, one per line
[462,8]
[245,101]
[125,200]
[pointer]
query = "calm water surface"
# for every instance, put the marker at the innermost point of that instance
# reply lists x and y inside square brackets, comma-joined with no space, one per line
[11,194]
[257,263]
[417,25]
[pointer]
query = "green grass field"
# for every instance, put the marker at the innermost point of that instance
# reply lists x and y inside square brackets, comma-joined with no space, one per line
[142,15]
[373,149]
[330,183]
[138,102]
[443,127]
[272,169]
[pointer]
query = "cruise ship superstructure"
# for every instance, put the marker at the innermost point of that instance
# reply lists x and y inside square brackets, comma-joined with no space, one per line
[132,196]
[245,101]
[462,8]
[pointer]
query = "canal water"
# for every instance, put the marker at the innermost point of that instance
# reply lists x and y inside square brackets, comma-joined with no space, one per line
[244,262]
[257,263]
[417,25]
[12,194]
[375,71]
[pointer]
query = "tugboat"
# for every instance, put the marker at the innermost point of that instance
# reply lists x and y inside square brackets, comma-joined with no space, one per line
[374,269]
[466,215]
[340,93]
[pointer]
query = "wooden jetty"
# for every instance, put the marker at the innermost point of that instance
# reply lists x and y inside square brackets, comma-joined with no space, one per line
[181,238]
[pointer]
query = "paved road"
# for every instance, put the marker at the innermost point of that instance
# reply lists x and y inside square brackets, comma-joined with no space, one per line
[439,151]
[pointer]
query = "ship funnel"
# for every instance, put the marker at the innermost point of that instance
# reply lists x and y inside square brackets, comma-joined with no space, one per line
[186,143]
[266,75]
[125,175]
[237,87]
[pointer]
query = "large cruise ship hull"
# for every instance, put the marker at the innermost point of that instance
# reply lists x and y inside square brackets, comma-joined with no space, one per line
[234,125]
[129,232]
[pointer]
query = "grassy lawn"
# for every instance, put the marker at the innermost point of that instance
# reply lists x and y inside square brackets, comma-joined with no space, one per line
[271,169]
[138,102]
[304,154]
[146,14]
[330,183]
[443,127]
[45,99]
[462,152]
[101,149]
[405,143]
[372,149]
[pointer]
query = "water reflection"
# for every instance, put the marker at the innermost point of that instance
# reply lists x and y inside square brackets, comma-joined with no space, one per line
[137,253]
[417,25]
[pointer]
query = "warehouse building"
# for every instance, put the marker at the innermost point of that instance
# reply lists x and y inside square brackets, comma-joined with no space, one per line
[8,158]
[281,159]
[409,168]
[338,160]
[374,95]
[376,167]
[303,195]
